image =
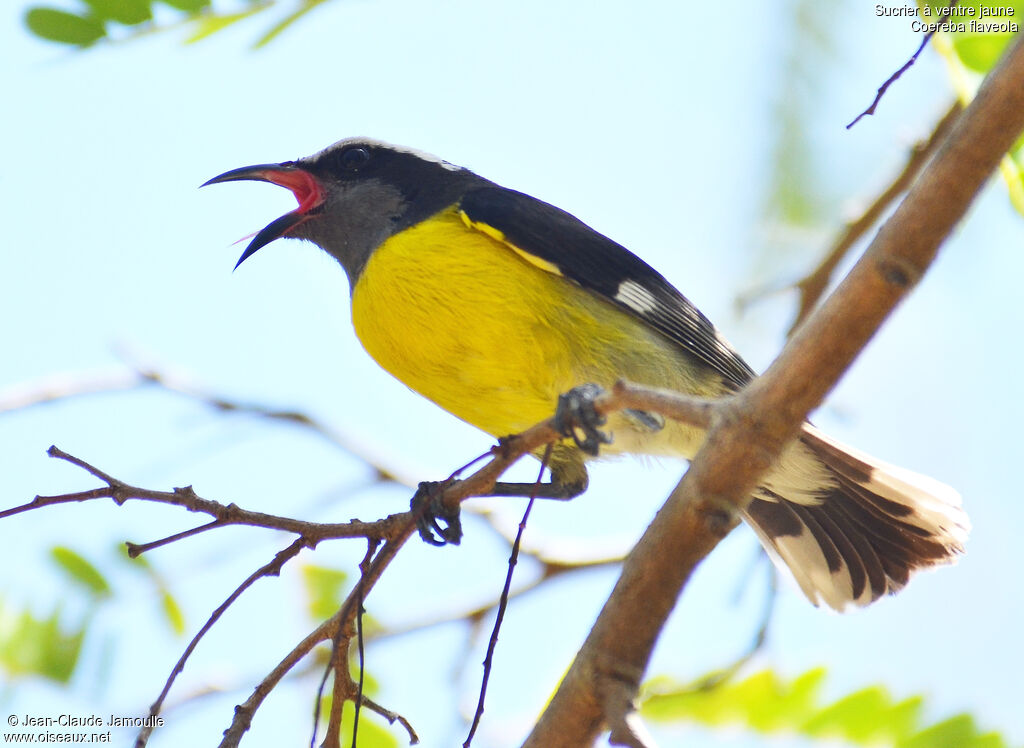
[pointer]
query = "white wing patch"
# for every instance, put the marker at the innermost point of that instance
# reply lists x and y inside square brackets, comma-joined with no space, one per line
[636,297]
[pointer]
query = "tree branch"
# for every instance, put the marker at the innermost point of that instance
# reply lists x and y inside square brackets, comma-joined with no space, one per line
[904,68]
[187,498]
[271,569]
[503,599]
[813,286]
[393,531]
[138,376]
[623,395]
[751,429]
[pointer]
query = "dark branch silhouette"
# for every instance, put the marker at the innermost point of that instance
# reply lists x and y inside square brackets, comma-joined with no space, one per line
[904,68]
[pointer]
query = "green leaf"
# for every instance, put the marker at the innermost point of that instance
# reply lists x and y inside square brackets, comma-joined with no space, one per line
[323,590]
[767,704]
[287,21]
[1012,169]
[209,24]
[81,571]
[762,698]
[189,6]
[127,12]
[980,42]
[63,27]
[172,612]
[31,646]
[957,732]
[970,54]
[979,52]
[861,717]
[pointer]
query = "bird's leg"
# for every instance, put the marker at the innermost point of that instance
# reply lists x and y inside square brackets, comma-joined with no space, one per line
[575,418]
[429,494]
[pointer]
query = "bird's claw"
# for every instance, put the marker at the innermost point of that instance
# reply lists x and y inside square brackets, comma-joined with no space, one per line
[427,503]
[577,418]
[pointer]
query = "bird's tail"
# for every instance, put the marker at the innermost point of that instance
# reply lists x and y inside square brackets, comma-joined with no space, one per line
[865,533]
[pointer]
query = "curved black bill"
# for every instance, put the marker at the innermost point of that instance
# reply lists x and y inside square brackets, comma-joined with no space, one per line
[274,230]
[285,175]
[257,173]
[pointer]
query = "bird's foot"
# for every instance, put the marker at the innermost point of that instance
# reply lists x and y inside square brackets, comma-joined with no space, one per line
[577,418]
[428,504]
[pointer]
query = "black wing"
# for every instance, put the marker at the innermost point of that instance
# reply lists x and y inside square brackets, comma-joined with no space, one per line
[608,269]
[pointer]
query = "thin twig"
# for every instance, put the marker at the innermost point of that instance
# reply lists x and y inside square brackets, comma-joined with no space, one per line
[59,387]
[549,570]
[813,286]
[57,453]
[391,717]
[906,66]
[362,665]
[344,688]
[225,514]
[503,604]
[70,386]
[271,569]
[326,630]
[393,530]
[696,411]
[137,549]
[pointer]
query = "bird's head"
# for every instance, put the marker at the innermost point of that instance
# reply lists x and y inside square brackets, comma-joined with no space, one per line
[353,195]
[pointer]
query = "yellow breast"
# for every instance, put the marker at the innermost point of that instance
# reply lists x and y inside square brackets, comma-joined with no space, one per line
[490,336]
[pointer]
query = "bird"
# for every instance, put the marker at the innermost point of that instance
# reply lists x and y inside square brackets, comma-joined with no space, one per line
[494,305]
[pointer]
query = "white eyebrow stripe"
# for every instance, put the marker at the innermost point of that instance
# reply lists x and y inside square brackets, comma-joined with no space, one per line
[636,297]
[374,143]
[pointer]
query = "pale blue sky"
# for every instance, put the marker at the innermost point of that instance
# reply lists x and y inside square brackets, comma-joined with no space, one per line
[651,123]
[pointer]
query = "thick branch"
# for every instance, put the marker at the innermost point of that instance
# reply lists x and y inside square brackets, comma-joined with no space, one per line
[756,424]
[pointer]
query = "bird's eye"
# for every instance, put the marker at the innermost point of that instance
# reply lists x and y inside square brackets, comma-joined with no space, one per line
[353,158]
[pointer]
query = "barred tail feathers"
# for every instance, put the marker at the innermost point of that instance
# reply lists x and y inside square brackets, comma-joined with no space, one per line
[863,531]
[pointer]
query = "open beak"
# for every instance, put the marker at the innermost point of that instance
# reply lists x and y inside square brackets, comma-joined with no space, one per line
[304,186]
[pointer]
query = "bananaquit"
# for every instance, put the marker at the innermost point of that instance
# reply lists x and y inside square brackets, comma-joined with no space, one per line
[493,304]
